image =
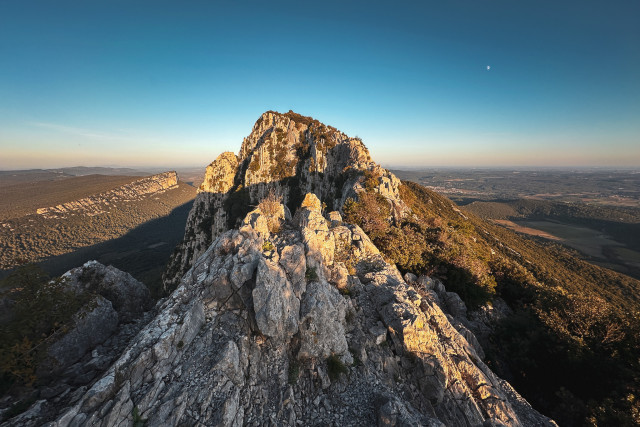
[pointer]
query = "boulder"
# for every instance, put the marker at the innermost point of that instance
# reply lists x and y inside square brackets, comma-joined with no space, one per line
[294,262]
[129,297]
[322,319]
[275,304]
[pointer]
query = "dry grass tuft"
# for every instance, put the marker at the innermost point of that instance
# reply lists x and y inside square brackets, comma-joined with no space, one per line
[271,208]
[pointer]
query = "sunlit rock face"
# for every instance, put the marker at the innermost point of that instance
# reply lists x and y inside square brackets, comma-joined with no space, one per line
[285,319]
[287,153]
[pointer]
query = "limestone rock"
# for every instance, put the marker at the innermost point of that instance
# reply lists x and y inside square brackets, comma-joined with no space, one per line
[287,153]
[256,220]
[220,173]
[322,314]
[392,413]
[129,297]
[335,218]
[293,260]
[311,202]
[275,304]
[256,333]
[455,305]
[237,343]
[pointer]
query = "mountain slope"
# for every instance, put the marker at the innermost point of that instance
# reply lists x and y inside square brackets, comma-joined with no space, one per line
[565,332]
[297,319]
[307,318]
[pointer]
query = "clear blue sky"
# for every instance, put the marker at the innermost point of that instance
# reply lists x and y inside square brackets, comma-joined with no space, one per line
[176,83]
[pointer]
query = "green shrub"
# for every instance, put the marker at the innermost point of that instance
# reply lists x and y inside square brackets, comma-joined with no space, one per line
[138,421]
[267,246]
[371,213]
[370,180]
[311,274]
[294,371]
[335,367]
[42,308]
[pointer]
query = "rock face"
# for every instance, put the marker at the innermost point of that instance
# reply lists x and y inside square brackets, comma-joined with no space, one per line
[92,325]
[95,205]
[248,338]
[129,297]
[117,298]
[287,153]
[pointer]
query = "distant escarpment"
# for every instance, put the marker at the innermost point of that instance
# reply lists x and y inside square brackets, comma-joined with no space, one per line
[52,231]
[100,203]
[288,154]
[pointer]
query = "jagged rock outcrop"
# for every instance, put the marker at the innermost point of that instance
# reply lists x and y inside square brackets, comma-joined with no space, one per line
[242,342]
[92,325]
[99,203]
[287,153]
[129,297]
[116,298]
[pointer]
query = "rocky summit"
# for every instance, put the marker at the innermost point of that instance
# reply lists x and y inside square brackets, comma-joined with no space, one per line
[287,315]
[286,153]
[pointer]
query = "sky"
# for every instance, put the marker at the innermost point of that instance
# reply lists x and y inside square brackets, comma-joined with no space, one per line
[477,83]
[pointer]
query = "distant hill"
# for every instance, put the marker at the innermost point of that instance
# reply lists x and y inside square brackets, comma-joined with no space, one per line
[85,170]
[12,177]
[44,220]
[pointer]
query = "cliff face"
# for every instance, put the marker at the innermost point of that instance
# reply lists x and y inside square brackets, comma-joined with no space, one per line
[286,153]
[270,326]
[63,224]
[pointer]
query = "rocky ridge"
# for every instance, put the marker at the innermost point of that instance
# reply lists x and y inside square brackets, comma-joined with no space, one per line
[98,204]
[281,319]
[270,327]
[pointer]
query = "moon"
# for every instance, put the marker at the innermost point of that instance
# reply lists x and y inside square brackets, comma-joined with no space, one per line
[488,67]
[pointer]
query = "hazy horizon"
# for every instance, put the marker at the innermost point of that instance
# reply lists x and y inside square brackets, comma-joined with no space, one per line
[524,84]
[407,168]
